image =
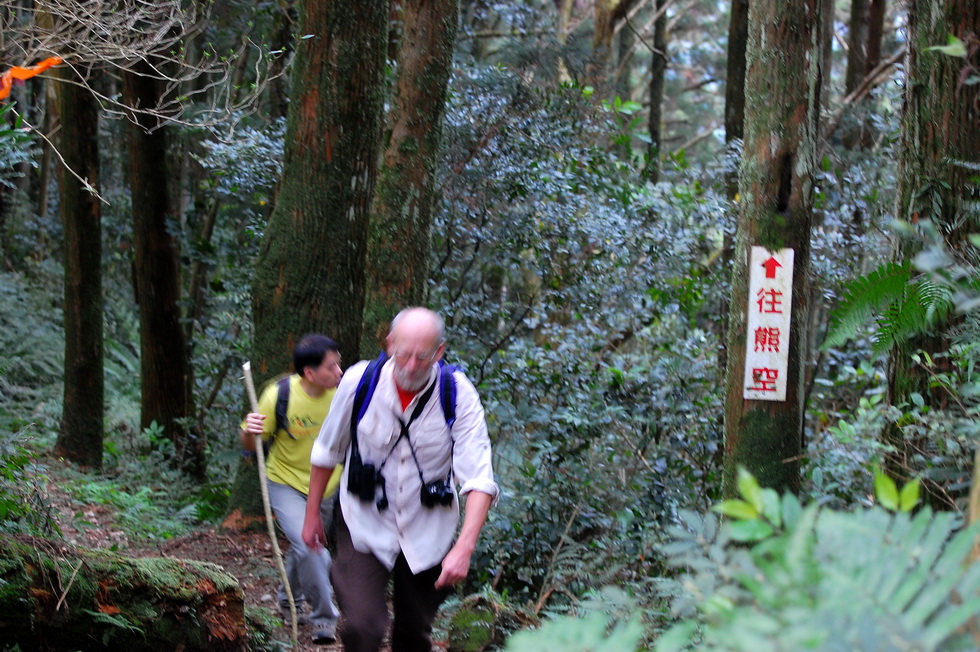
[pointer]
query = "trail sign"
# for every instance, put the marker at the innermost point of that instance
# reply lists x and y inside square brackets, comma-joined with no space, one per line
[768,323]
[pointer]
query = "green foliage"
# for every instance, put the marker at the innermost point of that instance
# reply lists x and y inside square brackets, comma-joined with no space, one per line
[606,620]
[595,633]
[905,305]
[579,299]
[891,498]
[141,511]
[23,503]
[16,145]
[819,579]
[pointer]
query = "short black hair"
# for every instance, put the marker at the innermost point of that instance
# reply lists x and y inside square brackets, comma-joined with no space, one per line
[311,349]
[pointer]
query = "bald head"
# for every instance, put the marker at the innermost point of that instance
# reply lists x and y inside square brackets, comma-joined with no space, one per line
[417,320]
[415,342]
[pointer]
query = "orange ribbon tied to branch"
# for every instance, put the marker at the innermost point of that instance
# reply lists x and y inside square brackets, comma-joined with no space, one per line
[19,73]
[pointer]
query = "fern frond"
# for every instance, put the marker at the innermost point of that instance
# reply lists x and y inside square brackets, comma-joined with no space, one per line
[863,297]
[923,305]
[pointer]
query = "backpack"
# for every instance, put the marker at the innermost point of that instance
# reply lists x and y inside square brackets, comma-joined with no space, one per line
[369,382]
[282,402]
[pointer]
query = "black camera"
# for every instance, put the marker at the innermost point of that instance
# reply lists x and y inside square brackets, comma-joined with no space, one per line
[438,492]
[363,479]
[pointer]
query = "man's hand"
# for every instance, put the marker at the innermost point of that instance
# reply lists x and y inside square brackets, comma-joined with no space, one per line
[456,563]
[253,426]
[313,523]
[313,532]
[455,566]
[254,423]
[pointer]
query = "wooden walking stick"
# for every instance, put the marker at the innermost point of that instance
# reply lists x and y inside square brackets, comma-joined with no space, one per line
[260,456]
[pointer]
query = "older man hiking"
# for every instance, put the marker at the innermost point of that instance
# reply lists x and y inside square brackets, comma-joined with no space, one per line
[407,430]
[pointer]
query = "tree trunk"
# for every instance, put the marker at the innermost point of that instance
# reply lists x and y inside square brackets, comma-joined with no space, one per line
[80,437]
[625,46]
[56,598]
[609,14]
[940,147]
[738,34]
[782,92]
[857,63]
[876,29]
[658,71]
[310,271]
[857,44]
[164,366]
[399,244]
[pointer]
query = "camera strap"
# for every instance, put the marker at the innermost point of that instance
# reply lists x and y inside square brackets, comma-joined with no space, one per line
[422,402]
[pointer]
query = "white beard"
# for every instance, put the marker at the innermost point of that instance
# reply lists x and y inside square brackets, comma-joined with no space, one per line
[407,383]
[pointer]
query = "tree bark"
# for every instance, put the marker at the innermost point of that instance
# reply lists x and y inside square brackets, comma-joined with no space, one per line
[738,33]
[857,44]
[80,437]
[400,240]
[608,16]
[876,29]
[857,63]
[58,598]
[310,271]
[164,365]
[782,94]
[658,71]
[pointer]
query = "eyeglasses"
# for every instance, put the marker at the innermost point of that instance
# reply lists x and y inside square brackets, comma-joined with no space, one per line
[418,356]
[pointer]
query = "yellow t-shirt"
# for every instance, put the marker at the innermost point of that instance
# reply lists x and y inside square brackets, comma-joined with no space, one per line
[289,457]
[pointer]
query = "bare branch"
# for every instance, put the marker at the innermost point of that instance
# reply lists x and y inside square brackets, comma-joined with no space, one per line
[120,35]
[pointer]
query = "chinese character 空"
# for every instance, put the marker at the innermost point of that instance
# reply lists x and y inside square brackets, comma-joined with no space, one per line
[764,379]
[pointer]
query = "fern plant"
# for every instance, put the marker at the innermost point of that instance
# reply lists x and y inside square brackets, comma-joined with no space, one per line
[902,303]
[819,579]
[910,298]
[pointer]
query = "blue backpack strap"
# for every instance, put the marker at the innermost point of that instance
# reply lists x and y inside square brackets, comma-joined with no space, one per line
[365,390]
[447,392]
[282,403]
[369,382]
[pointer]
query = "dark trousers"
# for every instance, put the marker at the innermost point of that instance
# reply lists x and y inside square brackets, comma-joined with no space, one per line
[359,582]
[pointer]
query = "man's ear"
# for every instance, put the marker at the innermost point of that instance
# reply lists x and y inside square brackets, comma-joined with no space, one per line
[440,350]
[389,345]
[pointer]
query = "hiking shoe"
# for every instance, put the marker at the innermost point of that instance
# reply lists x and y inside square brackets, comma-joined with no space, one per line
[324,635]
[301,618]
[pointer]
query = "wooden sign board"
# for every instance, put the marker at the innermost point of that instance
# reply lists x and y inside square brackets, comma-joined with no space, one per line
[767,336]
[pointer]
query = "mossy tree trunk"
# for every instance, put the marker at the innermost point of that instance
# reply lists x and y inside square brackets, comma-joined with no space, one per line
[310,271]
[56,598]
[165,396]
[80,437]
[782,91]
[399,245]
[940,148]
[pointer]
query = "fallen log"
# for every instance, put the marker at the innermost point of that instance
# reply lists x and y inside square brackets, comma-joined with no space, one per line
[55,597]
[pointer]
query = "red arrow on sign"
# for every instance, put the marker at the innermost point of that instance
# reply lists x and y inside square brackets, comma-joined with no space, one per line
[771,266]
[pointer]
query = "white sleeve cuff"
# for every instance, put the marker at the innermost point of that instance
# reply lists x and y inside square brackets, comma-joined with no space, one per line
[482,485]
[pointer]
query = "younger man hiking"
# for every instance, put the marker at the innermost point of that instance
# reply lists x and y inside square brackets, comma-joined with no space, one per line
[292,426]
